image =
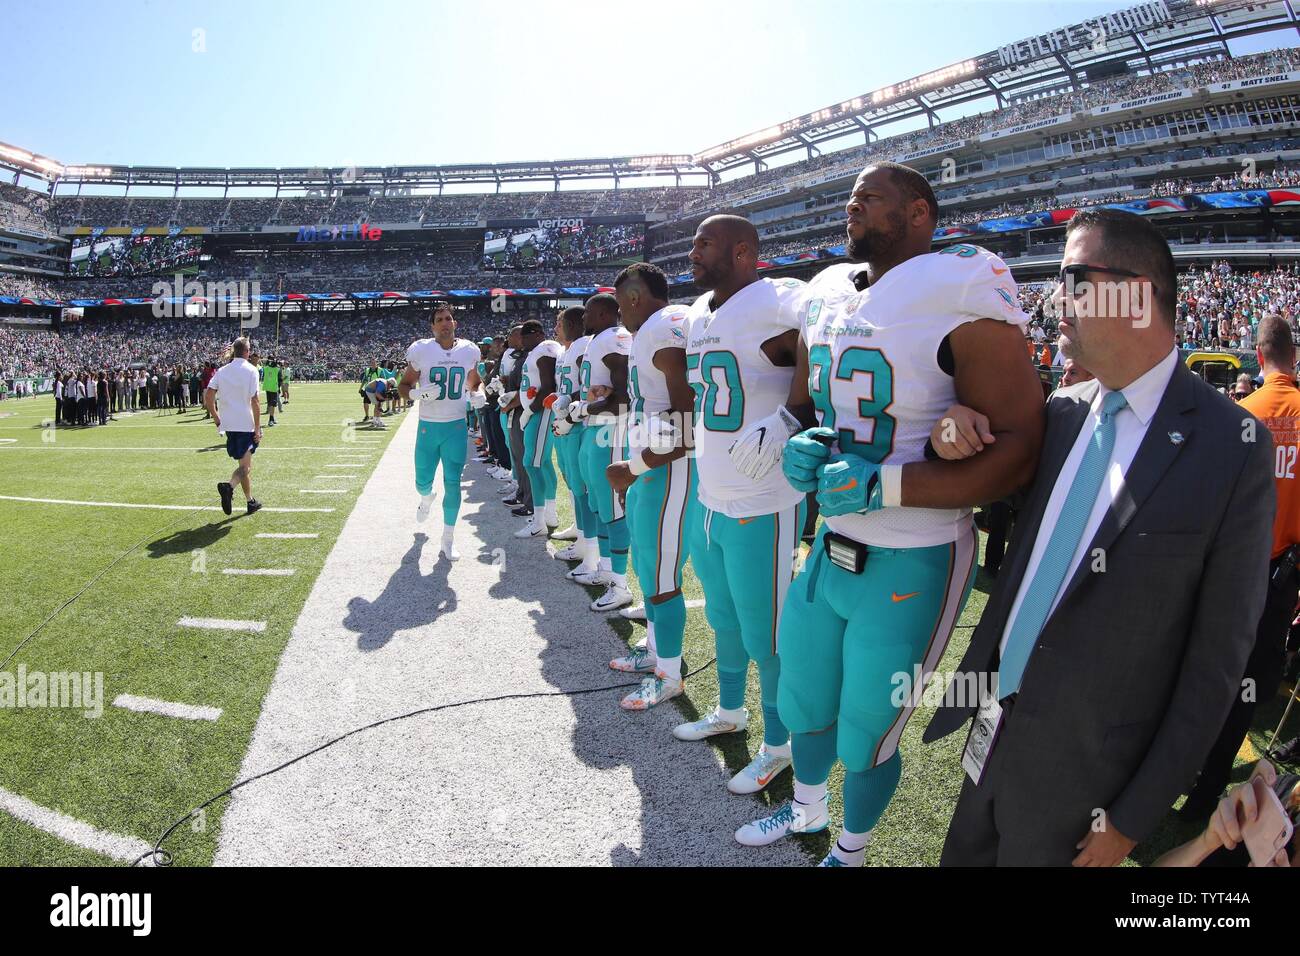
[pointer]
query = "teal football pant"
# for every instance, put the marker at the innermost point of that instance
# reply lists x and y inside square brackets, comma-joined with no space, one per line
[537,457]
[745,566]
[856,651]
[445,443]
[568,453]
[604,443]
[660,506]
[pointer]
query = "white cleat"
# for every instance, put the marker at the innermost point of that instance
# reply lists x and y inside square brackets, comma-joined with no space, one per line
[788,818]
[501,474]
[533,529]
[448,547]
[761,771]
[422,512]
[654,690]
[615,597]
[640,661]
[509,490]
[571,553]
[379,423]
[568,534]
[710,725]
[633,613]
[589,576]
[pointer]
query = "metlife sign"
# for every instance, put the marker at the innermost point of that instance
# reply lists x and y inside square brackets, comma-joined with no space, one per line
[357,232]
[1094,32]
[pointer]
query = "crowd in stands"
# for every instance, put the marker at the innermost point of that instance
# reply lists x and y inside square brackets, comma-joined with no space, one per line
[562,246]
[26,286]
[134,255]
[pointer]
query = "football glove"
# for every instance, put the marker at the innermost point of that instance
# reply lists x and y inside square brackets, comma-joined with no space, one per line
[561,427]
[849,485]
[426,391]
[477,400]
[558,403]
[506,398]
[526,414]
[758,451]
[577,411]
[804,456]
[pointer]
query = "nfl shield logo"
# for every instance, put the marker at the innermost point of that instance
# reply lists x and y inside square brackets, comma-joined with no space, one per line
[814,310]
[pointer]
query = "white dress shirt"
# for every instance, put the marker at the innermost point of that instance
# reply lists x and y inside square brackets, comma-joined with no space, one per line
[1143,396]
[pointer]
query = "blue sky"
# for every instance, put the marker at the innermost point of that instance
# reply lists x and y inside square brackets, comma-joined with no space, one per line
[386,82]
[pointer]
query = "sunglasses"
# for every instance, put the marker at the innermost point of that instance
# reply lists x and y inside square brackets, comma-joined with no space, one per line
[1077,272]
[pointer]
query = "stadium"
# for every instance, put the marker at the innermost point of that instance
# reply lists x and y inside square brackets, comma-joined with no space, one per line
[314,685]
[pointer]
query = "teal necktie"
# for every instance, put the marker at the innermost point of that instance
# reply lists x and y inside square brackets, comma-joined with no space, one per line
[1058,554]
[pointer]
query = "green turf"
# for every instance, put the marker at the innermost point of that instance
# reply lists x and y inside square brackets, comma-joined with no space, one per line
[131,773]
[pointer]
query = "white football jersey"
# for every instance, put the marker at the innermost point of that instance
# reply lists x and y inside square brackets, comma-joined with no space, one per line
[615,340]
[532,375]
[448,368]
[568,370]
[874,375]
[666,329]
[735,385]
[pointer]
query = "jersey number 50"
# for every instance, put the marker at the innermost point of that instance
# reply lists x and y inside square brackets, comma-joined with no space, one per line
[704,370]
[878,441]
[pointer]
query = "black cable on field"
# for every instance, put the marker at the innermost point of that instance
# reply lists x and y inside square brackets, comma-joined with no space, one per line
[86,587]
[163,857]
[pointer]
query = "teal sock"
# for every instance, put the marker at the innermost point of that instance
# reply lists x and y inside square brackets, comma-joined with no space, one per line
[619,540]
[867,793]
[814,755]
[602,541]
[774,732]
[731,685]
[670,623]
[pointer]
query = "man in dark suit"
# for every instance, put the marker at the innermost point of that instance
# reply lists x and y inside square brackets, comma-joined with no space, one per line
[1121,622]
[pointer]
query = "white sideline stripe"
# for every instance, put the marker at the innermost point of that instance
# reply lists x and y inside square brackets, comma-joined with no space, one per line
[357,465]
[166,708]
[221,624]
[277,534]
[262,449]
[123,504]
[334,477]
[322,491]
[70,830]
[261,572]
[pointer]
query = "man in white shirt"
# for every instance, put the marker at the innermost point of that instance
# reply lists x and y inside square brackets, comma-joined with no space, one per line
[1115,640]
[234,390]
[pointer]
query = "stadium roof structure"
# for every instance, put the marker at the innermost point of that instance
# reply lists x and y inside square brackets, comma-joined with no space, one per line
[1145,37]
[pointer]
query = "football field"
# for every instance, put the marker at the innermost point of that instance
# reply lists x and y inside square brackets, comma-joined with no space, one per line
[117,561]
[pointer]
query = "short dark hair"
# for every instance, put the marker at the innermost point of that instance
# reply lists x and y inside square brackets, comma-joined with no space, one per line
[1132,242]
[532,327]
[603,302]
[441,306]
[912,184]
[571,319]
[649,275]
[1275,341]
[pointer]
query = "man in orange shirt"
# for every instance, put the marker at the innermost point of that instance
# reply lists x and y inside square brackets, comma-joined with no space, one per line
[1277,404]
[1045,356]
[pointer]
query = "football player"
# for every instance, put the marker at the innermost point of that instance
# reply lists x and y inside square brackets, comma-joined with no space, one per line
[740,353]
[602,410]
[439,372]
[568,439]
[657,476]
[888,343]
[536,384]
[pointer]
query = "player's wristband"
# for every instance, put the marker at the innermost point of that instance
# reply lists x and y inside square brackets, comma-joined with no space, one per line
[636,464]
[891,485]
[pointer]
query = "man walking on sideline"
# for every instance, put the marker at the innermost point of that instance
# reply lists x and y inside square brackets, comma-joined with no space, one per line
[235,386]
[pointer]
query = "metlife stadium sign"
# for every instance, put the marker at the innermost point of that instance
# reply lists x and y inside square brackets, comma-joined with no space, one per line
[357,232]
[1094,32]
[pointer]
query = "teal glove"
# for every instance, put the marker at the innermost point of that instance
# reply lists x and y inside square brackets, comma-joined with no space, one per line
[804,457]
[849,485]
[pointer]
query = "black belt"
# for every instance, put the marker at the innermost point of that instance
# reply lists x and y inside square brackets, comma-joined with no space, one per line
[845,552]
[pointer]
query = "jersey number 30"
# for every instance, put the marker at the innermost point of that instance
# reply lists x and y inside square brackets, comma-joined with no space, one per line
[871,364]
[451,380]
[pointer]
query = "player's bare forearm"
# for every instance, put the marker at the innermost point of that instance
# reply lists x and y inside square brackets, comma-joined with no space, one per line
[409,378]
[799,403]
[616,402]
[681,405]
[991,377]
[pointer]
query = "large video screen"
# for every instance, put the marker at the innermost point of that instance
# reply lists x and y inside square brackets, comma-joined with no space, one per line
[547,243]
[133,255]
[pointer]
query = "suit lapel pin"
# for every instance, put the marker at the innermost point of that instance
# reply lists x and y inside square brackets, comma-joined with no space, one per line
[1175,438]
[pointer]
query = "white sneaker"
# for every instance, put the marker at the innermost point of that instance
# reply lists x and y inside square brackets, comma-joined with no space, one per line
[509,490]
[426,505]
[789,818]
[589,576]
[501,474]
[572,553]
[710,725]
[633,613]
[654,690]
[616,596]
[379,423]
[761,771]
[532,529]
[568,534]
[448,547]
[640,661]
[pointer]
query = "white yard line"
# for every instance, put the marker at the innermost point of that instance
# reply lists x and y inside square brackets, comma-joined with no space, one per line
[261,572]
[124,849]
[323,491]
[286,535]
[124,504]
[222,624]
[166,708]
